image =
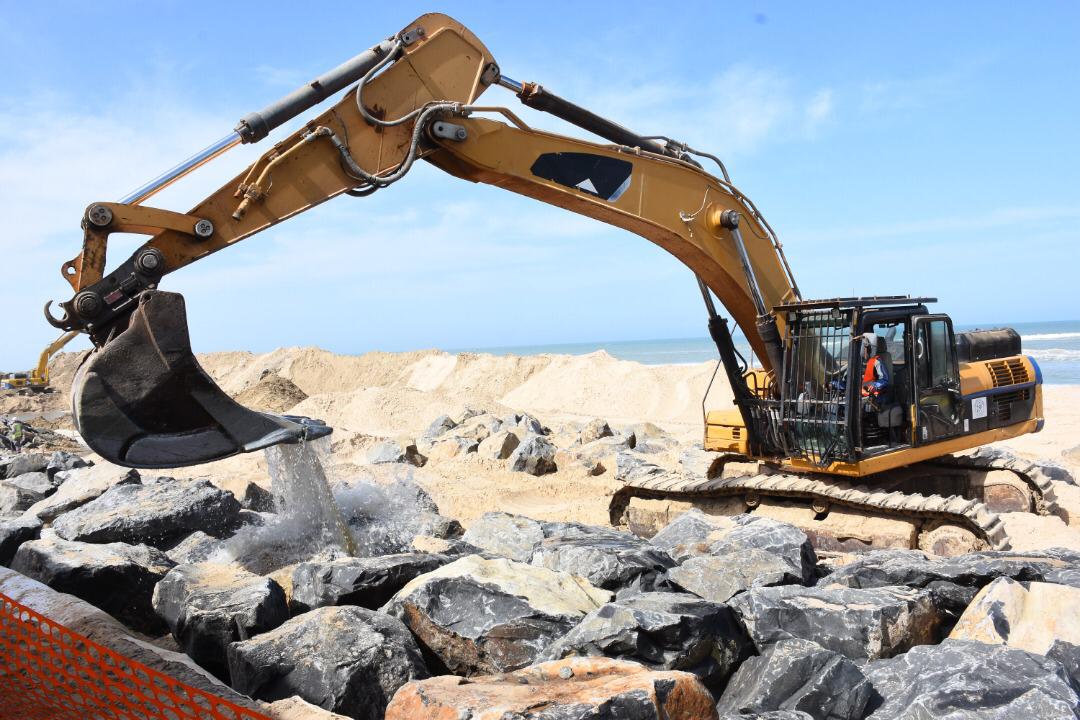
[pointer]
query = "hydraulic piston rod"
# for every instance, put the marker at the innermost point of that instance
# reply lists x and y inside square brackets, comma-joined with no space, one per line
[253,127]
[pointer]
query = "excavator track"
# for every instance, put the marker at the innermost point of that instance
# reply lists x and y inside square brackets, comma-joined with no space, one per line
[930,511]
[987,460]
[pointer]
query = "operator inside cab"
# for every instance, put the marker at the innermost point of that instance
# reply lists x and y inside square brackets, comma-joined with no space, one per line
[877,380]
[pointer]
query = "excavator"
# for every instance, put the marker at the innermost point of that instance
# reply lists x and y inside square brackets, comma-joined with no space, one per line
[37,380]
[808,435]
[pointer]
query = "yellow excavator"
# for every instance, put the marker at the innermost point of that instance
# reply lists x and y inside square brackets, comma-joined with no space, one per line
[37,380]
[857,410]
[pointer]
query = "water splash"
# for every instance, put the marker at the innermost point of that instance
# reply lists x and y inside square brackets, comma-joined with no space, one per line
[302,493]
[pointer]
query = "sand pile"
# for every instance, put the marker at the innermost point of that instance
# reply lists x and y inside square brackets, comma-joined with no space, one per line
[272,393]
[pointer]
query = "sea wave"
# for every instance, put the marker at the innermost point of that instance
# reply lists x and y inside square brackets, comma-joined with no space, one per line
[1053,336]
[1054,354]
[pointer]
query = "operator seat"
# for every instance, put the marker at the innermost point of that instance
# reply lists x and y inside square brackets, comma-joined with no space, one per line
[891,415]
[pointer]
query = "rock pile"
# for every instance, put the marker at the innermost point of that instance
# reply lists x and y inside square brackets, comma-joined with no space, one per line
[712,617]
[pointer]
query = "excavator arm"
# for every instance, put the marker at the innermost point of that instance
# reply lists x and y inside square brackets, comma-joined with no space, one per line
[142,400]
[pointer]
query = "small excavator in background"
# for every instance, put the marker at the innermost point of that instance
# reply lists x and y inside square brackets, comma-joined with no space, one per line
[37,380]
[813,436]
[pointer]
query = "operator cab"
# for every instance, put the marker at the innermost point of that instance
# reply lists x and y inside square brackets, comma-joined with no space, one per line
[862,377]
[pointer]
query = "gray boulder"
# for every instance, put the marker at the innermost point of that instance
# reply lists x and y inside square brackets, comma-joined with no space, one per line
[663,631]
[155,513]
[116,577]
[720,577]
[915,569]
[535,455]
[439,426]
[594,430]
[15,465]
[367,582]
[14,531]
[499,445]
[612,561]
[860,624]
[195,548]
[972,681]
[395,451]
[80,486]
[207,606]
[797,675]
[61,461]
[510,536]
[1069,656]
[257,498]
[384,519]
[23,491]
[482,616]
[348,660]
[770,715]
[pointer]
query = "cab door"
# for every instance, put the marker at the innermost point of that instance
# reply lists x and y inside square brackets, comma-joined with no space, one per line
[938,406]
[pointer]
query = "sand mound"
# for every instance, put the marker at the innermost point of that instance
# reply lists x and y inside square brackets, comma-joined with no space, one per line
[272,393]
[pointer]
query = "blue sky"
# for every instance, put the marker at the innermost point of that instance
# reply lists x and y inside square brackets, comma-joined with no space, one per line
[925,149]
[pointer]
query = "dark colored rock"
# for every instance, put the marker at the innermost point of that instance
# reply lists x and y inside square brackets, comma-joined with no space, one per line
[395,451]
[439,426]
[257,498]
[15,465]
[510,536]
[116,577]
[481,616]
[61,461]
[770,715]
[663,631]
[80,486]
[14,531]
[860,624]
[720,577]
[348,660]
[915,569]
[970,680]
[367,582]
[571,689]
[155,513]
[609,561]
[535,455]
[1069,656]
[207,606]
[798,675]
[195,548]
[384,519]
[24,491]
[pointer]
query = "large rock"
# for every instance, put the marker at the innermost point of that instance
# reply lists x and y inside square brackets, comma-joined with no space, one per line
[511,536]
[694,534]
[80,486]
[195,548]
[570,689]
[594,430]
[61,461]
[970,681]
[770,715]
[346,659]
[367,582]
[915,569]
[535,455]
[1029,616]
[663,631]
[207,606]
[500,445]
[15,465]
[720,577]
[860,624]
[395,451]
[385,518]
[610,561]
[116,577]
[14,531]
[296,708]
[798,675]
[483,616]
[155,513]
[23,491]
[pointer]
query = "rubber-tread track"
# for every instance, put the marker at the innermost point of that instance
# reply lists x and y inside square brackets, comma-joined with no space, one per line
[970,514]
[987,459]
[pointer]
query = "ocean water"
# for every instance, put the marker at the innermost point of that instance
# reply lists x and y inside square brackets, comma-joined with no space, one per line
[1055,346]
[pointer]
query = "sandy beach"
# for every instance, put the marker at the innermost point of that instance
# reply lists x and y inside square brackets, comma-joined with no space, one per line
[374,396]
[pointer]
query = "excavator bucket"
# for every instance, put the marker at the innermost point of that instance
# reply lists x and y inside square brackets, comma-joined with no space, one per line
[143,401]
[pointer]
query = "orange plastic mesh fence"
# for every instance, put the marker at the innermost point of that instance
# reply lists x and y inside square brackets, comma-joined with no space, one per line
[48,672]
